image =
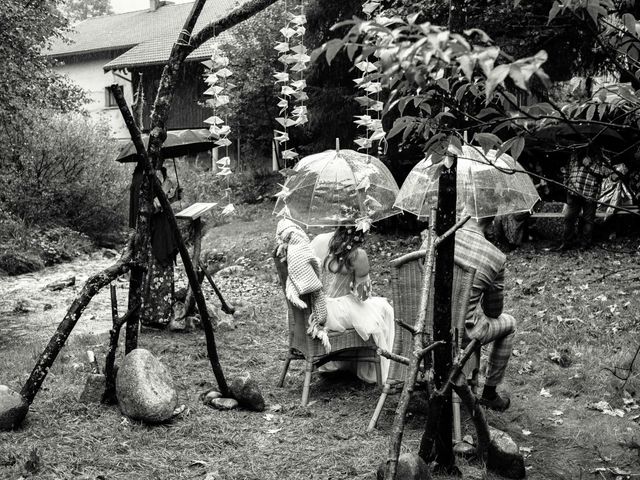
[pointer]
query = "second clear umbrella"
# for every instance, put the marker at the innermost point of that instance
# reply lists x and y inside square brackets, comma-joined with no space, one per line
[486,186]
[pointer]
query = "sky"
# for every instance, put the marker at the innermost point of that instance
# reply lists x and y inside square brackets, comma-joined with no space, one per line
[122,6]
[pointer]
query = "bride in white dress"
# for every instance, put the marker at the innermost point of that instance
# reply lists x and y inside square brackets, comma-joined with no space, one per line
[347,286]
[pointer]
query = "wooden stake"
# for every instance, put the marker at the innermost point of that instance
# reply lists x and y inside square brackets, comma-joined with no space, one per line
[443,284]
[397,431]
[92,286]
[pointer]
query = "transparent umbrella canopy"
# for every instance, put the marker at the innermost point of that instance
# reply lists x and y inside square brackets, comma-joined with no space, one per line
[338,187]
[486,186]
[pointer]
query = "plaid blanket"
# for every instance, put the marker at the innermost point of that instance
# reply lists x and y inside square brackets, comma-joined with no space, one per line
[303,278]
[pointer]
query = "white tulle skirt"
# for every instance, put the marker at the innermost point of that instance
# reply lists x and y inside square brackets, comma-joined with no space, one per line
[371,318]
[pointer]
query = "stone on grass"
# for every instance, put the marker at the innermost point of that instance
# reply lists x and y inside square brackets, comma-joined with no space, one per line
[247,392]
[224,403]
[93,389]
[410,467]
[61,284]
[225,324]
[145,388]
[211,395]
[13,408]
[504,455]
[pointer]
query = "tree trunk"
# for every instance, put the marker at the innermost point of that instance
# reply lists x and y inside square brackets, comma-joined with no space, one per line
[445,219]
[90,288]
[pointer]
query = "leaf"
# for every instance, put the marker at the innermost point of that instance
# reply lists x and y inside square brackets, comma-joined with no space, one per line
[545,393]
[555,9]
[590,112]
[592,10]
[517,147]
[495,78]
[443,83]
[486,140]
[228,210]
[487,58]
[332,47]
[467,64]
[399,126]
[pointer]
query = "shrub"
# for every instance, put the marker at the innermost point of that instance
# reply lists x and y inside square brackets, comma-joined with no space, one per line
[243,188]
[63,174]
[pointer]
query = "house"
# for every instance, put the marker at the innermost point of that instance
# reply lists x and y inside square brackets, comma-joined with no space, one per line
[118,48]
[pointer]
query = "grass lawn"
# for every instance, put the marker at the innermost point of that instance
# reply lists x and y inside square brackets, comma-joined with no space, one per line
[573,309]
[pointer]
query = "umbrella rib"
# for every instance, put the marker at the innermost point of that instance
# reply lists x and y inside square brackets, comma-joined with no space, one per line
[313,192]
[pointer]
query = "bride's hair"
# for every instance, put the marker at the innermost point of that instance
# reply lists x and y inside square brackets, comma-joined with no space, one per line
[342,248]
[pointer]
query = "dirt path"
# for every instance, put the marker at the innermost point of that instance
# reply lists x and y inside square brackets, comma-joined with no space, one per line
[29,309]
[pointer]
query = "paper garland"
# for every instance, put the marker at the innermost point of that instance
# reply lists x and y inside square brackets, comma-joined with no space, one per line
[217,75]
[370,100]
[295,60]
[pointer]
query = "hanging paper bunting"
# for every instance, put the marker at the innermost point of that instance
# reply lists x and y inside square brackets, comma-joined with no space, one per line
[295,60]
[371,87]
[217,77]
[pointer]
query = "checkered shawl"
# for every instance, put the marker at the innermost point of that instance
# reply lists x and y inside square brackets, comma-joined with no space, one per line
[473,249]
[585,176]
[304,271]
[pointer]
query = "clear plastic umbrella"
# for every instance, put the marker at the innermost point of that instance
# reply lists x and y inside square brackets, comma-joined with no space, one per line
[338,187]
[486,186]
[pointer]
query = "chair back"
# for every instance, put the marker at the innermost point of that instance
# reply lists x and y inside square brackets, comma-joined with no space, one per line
[407,273]
[297,319]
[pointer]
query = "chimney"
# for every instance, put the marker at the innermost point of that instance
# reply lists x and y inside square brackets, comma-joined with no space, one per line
[154,5]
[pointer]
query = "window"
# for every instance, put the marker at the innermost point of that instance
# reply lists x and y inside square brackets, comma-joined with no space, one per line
[109,99]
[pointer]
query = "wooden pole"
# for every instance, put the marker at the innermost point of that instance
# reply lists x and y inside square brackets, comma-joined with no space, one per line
[109,395]
[397,430]
[189,301]
[57,341]
[443,284]
[184,253]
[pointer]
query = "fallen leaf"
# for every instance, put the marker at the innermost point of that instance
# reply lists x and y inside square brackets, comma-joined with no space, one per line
[273,430]
[545,393]
[557,413]
[526,433]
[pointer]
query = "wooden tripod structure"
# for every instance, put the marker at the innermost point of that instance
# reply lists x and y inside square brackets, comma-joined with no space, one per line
[135,255]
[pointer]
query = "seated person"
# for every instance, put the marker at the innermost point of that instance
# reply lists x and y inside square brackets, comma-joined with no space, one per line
[345,272]
[485,320]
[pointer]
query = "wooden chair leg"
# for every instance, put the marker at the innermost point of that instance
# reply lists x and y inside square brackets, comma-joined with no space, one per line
[307,382]
[378,371]
[457,424]
[376,413]
[284,371]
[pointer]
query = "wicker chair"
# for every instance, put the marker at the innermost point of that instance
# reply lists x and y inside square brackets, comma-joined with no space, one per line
[345,345]
[406,283]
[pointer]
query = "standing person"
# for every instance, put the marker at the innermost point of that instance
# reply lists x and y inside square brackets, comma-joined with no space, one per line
[584,178]
[485,320]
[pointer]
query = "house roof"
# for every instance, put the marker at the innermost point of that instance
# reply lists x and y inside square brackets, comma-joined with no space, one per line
[148,35]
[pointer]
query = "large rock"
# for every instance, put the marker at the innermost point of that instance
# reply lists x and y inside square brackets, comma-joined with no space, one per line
[144,388]
[247,392]
[410,467]
[504,455]
[13,408]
